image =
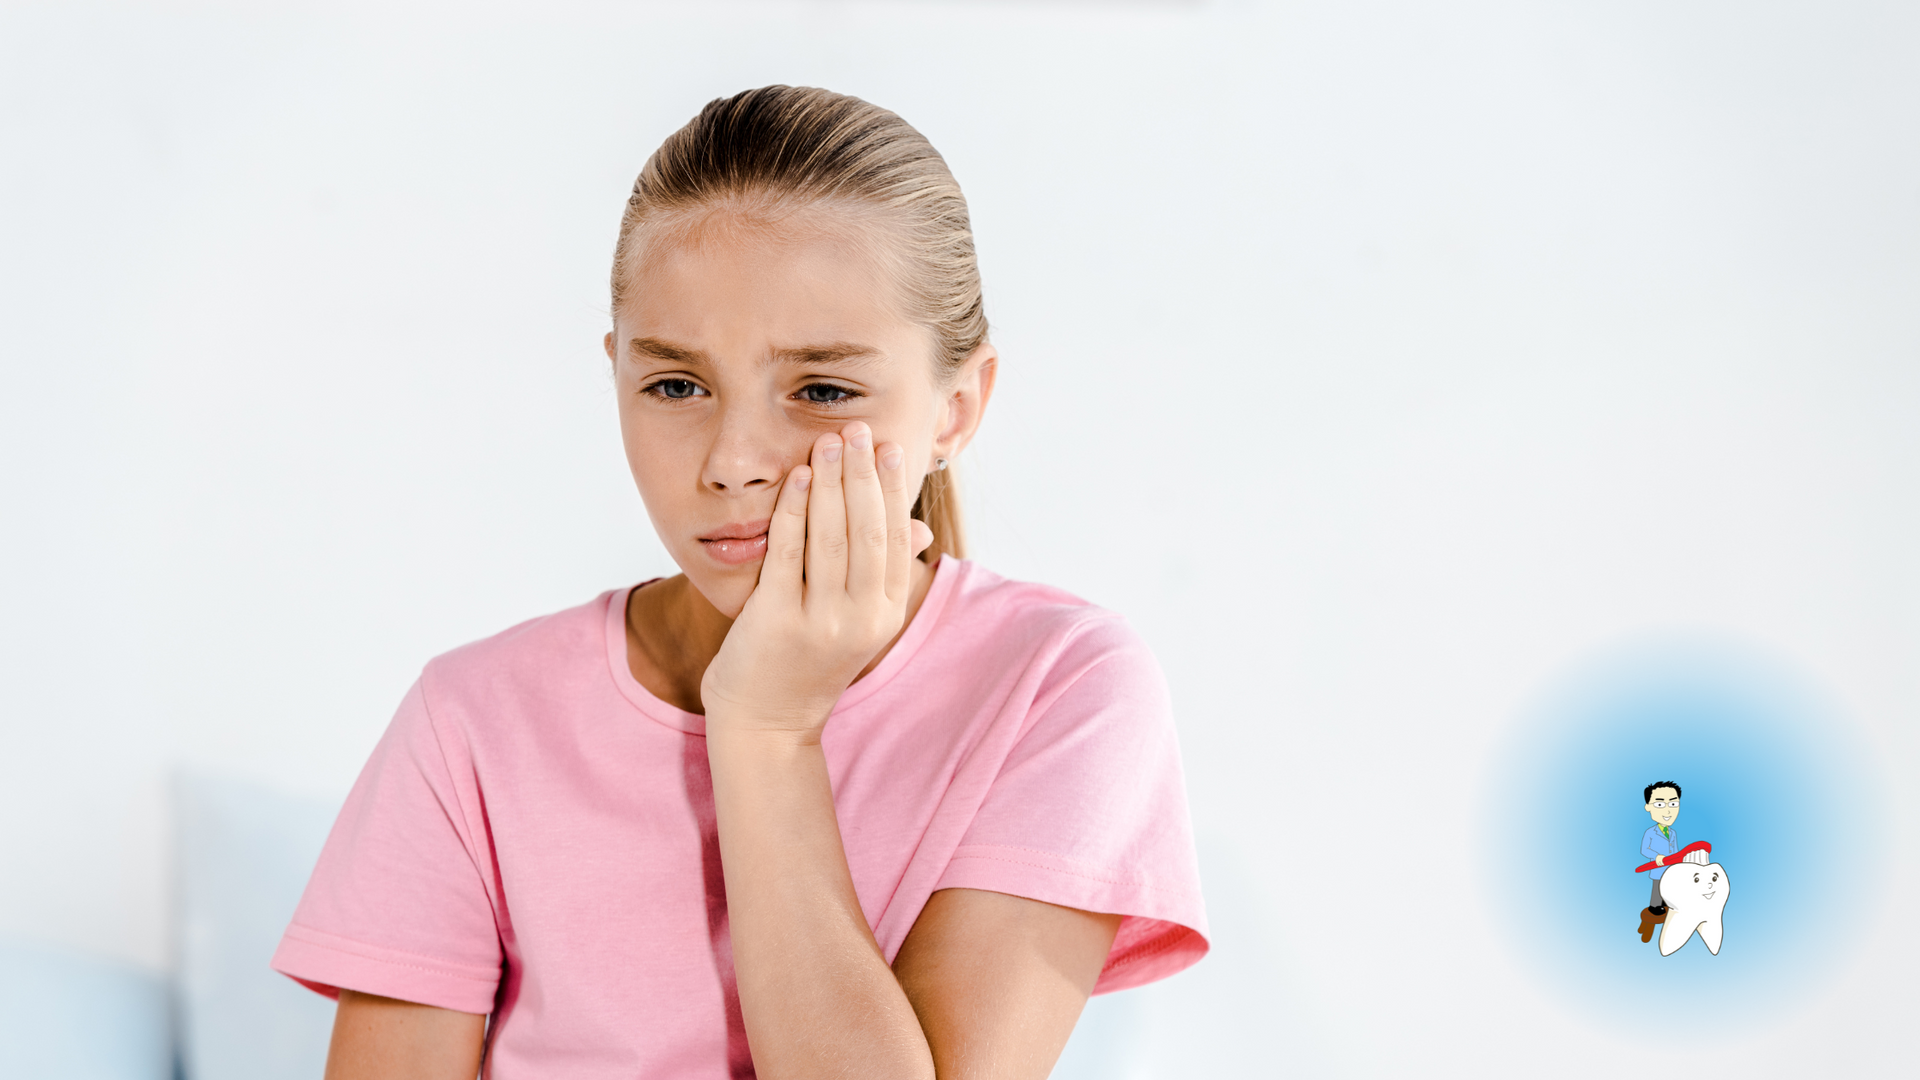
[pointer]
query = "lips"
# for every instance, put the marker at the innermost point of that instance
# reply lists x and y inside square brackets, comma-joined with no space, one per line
[736,543]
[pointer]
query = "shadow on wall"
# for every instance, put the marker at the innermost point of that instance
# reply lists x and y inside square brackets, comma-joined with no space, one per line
[241,858]
[1240,1012]
[67,1016]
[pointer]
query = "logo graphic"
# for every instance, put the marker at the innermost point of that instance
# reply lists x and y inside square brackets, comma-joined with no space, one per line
[1689,893]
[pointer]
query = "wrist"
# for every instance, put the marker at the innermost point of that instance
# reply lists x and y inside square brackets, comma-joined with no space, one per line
[762,733]
[758,772]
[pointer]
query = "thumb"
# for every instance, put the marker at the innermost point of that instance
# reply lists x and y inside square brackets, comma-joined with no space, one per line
[922,537]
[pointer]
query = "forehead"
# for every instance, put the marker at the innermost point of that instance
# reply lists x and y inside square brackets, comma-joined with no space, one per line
[806,275]
[1665,793]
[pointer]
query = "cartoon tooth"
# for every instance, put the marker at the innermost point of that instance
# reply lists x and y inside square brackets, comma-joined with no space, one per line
[1695,895]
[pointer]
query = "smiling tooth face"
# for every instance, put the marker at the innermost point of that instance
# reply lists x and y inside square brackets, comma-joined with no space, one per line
[1695,896]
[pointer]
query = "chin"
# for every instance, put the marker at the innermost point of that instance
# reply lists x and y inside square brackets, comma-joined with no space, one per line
[727,591]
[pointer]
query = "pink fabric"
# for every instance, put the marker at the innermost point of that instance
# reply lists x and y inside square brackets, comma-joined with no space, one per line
[534,836]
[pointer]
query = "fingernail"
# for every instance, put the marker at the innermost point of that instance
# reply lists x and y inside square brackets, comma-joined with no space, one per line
[861,439]
[890,459]
[830,452]
[802,478]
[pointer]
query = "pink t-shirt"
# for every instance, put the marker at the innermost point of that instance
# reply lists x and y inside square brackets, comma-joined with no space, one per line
[534,835]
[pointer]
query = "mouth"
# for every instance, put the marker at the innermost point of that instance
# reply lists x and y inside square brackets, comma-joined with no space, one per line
[1708,895]
[738,543]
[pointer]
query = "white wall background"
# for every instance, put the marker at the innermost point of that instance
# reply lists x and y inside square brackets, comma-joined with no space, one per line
[1380,360]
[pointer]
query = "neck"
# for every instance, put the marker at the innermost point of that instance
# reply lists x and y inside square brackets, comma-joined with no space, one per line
[673,633]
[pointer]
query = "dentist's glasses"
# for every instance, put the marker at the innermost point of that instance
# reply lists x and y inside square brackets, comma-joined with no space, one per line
[1663,804]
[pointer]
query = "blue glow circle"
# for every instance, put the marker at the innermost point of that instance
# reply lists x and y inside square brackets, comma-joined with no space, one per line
[1770,775]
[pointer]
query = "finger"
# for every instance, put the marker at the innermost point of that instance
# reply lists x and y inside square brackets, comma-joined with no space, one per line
[899,511]
[866,516]
[922,540]
[786,556]
[827,519]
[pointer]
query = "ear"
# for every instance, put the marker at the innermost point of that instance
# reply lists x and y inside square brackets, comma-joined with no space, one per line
[965,402]
[611,355]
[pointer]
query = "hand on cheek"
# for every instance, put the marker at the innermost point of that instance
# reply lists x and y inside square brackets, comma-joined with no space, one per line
[833,588]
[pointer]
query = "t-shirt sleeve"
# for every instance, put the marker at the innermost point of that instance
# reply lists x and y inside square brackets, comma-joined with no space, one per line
[1089,809]
[399,903]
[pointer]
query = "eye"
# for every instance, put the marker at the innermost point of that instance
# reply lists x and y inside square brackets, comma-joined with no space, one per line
[1716,877]
[1696,877]
[674,389]
[826,394]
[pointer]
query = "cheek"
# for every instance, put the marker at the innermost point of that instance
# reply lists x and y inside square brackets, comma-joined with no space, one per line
[661,456]
[910,419]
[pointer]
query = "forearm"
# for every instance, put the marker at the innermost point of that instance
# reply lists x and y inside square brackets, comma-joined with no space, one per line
[815,991]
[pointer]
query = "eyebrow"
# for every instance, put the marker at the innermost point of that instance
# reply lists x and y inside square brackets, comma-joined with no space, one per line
[837,352]
[667,350]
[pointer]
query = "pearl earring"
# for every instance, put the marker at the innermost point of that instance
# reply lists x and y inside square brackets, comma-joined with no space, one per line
[939,463]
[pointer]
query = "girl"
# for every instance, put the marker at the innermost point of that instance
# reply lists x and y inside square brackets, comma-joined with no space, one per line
[832,802]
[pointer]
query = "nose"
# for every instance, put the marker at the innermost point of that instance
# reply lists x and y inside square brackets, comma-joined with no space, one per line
[745,455]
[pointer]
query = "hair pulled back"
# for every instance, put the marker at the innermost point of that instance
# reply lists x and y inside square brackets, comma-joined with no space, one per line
[790,146]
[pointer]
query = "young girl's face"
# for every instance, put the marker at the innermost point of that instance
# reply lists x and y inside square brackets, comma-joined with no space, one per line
[736,348]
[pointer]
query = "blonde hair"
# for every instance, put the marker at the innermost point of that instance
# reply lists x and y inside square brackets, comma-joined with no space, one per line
[794,145]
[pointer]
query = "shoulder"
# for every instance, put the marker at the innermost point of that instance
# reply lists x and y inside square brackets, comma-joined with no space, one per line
[537,656]
[1053,649]
[1033,617]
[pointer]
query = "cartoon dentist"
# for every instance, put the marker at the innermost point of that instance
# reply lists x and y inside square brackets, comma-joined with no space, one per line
[1659,843]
